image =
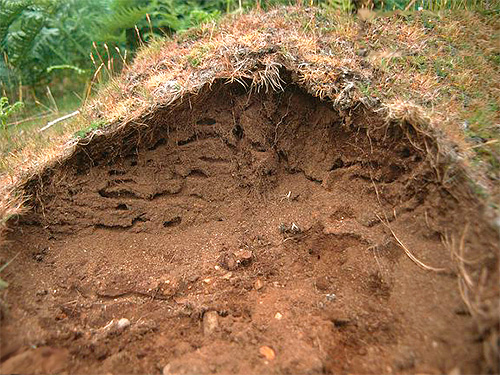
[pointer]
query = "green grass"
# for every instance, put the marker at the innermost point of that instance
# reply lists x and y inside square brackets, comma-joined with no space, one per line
[197,54]
[93,126]
[23,127]
[454,66]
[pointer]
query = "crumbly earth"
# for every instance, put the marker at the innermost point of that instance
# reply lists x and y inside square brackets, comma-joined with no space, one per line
[240,232]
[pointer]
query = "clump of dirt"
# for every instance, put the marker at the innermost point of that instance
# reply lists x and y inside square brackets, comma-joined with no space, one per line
[238,233]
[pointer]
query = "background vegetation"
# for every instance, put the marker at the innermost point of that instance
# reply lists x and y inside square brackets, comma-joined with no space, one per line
[63,42]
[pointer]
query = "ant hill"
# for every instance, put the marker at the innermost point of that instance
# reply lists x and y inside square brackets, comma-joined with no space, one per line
[270,194]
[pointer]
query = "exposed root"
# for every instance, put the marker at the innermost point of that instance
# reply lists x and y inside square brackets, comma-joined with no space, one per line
[11,205]
[408,252]
[268,78]
[477,296]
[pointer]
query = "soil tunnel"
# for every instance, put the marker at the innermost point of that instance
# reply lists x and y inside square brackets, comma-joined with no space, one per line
[238,232]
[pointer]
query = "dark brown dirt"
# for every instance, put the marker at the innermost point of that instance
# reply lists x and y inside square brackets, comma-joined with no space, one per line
[239,234]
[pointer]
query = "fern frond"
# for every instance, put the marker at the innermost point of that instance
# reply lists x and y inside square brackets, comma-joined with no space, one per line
[9,12]
[20,42]
[121,19]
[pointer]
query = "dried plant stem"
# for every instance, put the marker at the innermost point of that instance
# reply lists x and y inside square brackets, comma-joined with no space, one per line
[408,252]
[461,261]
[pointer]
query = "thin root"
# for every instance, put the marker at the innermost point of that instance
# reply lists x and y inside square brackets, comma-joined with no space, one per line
[408,252]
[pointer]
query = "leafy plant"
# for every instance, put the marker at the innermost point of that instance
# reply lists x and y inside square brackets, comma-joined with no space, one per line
[93,126]
[133,22]
[44,39]
[6,110]
[36,35]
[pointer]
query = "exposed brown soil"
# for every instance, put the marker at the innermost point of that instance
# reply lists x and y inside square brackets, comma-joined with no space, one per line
[240,233]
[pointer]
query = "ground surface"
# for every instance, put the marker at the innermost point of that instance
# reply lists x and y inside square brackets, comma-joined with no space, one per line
[245,235]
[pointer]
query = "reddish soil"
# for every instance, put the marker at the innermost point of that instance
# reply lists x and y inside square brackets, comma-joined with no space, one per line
[237,233]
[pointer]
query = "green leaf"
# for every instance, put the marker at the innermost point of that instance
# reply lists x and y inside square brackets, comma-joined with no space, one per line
[9,12]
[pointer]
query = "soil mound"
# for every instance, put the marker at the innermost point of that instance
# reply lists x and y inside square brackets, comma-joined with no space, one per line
[239,233]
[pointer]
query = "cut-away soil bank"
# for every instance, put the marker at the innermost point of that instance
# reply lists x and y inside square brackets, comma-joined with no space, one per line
[241,232]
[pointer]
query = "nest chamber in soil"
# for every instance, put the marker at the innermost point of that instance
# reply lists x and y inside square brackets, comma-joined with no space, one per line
[272,212]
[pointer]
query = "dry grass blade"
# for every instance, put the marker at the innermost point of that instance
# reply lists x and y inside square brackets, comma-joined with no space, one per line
[467,287]
[9,262]
[11,205]
[408,252]
[461,260]
[65,117]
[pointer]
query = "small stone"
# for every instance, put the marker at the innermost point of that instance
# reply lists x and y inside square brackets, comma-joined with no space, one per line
[243,257]
[184,366]
[331,297]
[117,327]
[167,287]
[258,284]
[101,352]
[228,261]
[210,322]
[278,316]
[267,352]
[193,278]
[123,323]
[227,276]
[322,283]
[234,259]
[207,280]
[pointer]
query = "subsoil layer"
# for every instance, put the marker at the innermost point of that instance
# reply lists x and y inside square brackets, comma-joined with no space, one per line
[237,233]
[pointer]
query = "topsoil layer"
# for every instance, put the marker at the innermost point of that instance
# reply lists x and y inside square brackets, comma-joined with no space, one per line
[238,233]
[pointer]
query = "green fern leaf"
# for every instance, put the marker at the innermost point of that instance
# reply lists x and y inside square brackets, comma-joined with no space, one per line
[20,42]
[9,12]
